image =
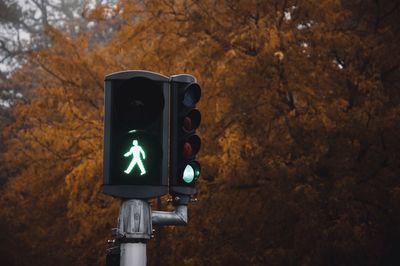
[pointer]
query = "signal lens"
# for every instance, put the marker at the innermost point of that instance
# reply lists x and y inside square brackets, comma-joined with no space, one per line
[187,150]
[191,172]
[187,124]
[188,174]
[191,146]
[192,95]
[195,143]
[135,106]
[191,120]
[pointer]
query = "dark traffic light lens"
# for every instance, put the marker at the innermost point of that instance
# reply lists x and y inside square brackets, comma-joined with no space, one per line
[192,146]
[187,150]
[140,103]
[192,95]
[187,124]
[191,120]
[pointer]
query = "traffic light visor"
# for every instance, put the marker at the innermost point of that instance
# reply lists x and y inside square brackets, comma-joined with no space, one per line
[194,142]
[191,121]
[191,95]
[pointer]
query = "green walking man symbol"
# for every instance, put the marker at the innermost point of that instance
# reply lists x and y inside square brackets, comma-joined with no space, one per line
[136,151]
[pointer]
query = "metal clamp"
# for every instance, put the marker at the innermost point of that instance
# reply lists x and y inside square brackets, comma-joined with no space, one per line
[134,220]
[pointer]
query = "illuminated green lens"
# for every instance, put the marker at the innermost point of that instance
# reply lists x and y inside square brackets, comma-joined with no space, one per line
[191,172]
[136,154]
[188,174]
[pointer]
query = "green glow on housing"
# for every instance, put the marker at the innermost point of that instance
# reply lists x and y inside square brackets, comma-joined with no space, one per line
[188,174]
[137,155]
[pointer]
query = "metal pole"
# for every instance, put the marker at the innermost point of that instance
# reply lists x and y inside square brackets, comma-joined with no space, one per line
[133,254]
[134,229]
[158,236]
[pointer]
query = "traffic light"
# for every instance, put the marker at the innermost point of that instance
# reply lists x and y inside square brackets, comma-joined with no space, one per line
[136,134]
[184,144]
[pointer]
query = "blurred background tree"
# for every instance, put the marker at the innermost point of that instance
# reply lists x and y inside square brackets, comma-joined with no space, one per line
[300,128]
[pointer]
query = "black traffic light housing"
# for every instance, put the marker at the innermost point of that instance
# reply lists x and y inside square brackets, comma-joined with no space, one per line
[184,143]
[136,134]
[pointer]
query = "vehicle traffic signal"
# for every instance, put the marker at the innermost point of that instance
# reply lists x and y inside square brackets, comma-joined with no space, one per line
[184,143]
[136,134]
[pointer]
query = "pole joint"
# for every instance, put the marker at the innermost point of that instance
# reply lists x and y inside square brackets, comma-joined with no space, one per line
[134,222]
[177,217]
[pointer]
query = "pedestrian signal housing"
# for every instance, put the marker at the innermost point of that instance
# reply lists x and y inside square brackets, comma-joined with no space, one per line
[136,134]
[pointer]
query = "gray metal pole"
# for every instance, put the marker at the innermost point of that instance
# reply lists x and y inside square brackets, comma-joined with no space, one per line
[158,236]
[134,229]
[133,254]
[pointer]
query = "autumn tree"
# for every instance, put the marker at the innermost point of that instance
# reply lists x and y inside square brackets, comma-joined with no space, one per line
[300,122]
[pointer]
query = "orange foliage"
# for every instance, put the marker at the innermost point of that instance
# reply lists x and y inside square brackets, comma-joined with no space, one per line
[300,133]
